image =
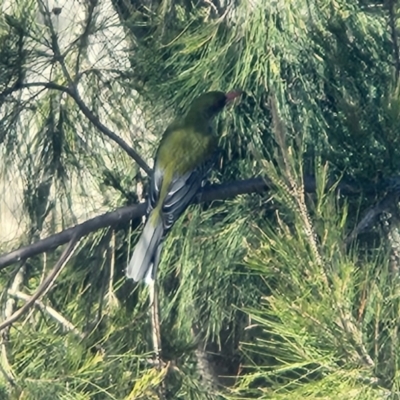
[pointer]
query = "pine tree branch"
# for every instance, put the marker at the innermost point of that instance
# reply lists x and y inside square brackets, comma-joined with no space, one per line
[72,88]
[46,14]
[123,214]
[73,93]
[296,187]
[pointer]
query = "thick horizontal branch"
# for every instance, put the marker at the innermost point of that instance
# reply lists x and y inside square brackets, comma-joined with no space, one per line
[123,214]
[91,225]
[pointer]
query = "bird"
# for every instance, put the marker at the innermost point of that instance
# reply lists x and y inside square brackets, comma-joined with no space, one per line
[182,161]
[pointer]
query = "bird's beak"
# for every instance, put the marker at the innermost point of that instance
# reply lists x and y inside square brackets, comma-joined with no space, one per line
[232,95]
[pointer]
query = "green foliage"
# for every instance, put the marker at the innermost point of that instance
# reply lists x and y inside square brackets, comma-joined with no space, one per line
[313,334]
[263,282]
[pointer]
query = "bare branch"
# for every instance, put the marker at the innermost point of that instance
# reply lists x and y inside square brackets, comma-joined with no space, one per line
[43,288]
[68,326]
[102,128]
[91,225]
[83,39]
[123,214]
[156,333]
[9,308]
[73,93]
[72,89]
[112,299]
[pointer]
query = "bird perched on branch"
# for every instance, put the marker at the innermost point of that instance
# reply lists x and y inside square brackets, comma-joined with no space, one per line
[183,158]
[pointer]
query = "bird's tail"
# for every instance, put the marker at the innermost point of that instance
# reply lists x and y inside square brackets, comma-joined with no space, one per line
[147,251]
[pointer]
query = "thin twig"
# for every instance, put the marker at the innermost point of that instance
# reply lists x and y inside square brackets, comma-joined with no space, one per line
[8,311]
[7,372]
[111,297]
[54,40]
[156,333]
[212,6]
[67,325]
[110,134]
[84,37]
[123,214]
[394,241]
[355,335]
[74,93]
[46,284]
[155,320]
[73,84]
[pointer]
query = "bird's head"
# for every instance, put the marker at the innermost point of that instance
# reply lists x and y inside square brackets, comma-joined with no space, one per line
[211,103]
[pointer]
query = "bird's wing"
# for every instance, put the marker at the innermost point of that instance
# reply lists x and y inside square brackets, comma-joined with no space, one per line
[156,181]
[181,192]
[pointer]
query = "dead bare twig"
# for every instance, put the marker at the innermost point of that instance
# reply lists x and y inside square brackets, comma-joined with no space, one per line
[67,325]
[156,333]
[9,308]
[46,284]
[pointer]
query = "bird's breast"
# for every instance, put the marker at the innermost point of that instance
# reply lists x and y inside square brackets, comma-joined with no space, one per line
[185,151]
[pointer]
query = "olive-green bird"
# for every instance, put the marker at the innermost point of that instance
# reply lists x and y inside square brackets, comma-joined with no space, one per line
[182,160]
